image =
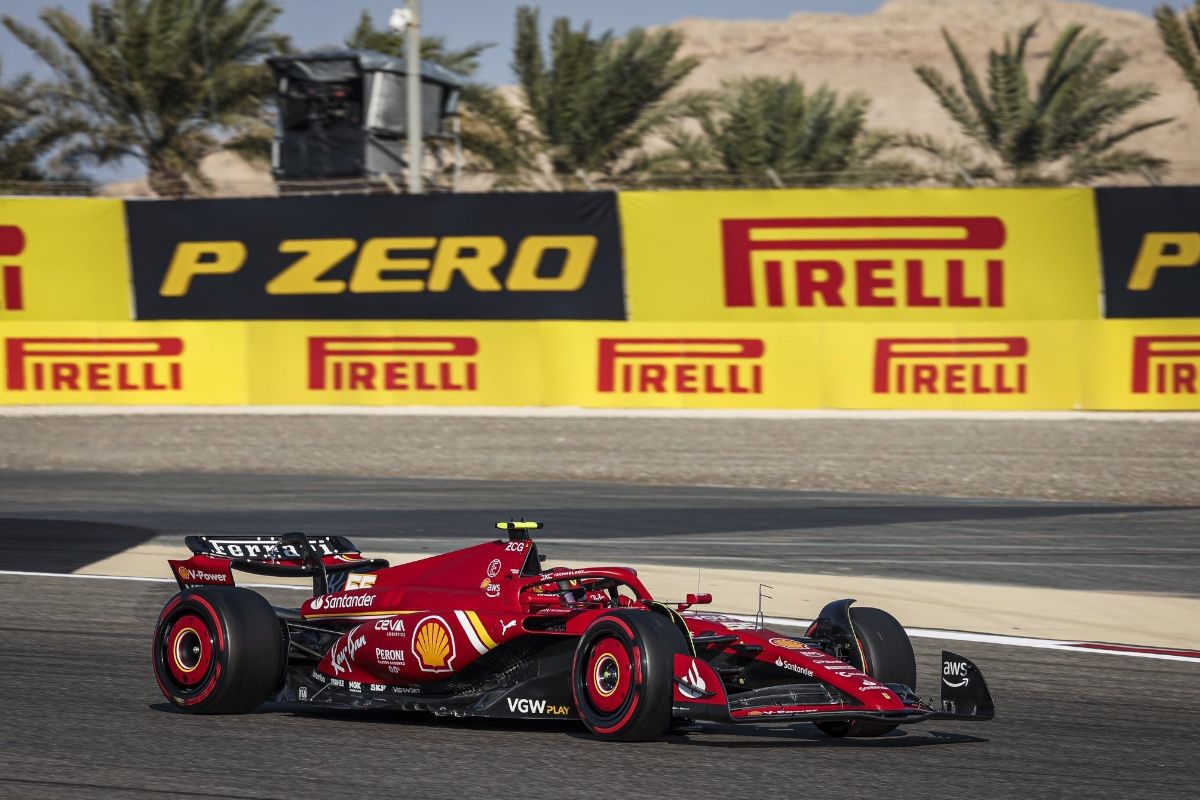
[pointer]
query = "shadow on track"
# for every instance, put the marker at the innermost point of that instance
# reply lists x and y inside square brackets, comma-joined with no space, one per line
[744,736]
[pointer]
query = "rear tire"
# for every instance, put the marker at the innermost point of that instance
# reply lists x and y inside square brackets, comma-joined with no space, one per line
[622,677]
[887,656]
[218,650]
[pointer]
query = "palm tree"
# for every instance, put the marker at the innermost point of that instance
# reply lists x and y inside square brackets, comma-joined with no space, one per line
[366,36]
[492,136]
[161,81]
[594,100]
[1064,130]
[766,131]
[29,132]
[1181,37]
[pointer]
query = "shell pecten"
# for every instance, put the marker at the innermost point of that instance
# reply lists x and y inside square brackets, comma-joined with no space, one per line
[433,644]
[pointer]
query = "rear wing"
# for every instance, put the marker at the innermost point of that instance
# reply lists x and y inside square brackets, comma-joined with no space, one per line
[329,560]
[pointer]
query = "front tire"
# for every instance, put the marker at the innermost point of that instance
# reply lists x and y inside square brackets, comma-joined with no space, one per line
[218,650]
[622,677]
[887,656]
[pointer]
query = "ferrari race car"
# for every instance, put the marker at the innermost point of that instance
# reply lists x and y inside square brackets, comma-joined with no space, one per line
[486,631]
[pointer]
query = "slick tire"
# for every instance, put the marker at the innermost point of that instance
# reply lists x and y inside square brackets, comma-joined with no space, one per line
[887,656]
[622,677]
[218,650]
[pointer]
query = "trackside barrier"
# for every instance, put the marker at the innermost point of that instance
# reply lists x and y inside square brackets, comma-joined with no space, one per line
[1139,365]
[902,255]
[63,259]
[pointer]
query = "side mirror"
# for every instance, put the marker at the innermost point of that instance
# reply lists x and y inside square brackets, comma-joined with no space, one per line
[699,599]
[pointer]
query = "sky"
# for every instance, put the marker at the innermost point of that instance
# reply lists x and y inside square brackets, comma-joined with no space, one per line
[317,23]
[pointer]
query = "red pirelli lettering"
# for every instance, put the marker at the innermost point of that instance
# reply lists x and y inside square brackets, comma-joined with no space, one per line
[98,364]
[681,366]
[393,363]
[980,365]
[1166,364]
[822,278]
[12,243]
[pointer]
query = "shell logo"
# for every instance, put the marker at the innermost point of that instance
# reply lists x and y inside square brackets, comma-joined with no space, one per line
[433,645]
[183,573]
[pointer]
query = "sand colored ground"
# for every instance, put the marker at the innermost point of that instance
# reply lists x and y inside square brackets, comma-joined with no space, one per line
[1156,620]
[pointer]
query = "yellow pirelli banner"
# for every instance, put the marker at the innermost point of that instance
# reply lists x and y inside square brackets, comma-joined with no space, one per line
[1152,364]
[904,255]
[63,259]
[1142,365]
[672,365]
[386,363]
[124,363]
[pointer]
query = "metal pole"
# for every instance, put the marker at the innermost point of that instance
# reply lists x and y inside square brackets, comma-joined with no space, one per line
[458,154]
[416,156]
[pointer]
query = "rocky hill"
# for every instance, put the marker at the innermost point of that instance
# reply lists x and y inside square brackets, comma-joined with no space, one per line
[875,53]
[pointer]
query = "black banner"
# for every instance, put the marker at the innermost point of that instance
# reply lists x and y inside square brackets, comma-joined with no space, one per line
[1150,243]
[465,256]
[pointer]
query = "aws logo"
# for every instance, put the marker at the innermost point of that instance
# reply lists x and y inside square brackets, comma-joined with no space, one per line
[396,265]
[12,244]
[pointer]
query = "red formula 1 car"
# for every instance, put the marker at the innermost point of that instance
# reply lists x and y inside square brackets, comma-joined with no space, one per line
[486,631]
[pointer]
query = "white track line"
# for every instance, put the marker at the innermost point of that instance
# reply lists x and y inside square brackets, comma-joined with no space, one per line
[998,639]
[570,411]
[922,633]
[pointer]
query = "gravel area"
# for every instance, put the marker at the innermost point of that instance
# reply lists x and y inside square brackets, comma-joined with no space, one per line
[1127,460]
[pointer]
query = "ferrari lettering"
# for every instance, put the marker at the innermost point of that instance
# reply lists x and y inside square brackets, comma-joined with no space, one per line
[239,548]
[393,363]
[12,244]
[681,366]
[1166,364]
[524,706]
[855,261]
[397,265]
[139,364]
[979,366]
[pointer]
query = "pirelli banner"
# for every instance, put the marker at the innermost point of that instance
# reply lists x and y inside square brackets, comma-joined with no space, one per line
[63,259]
[977,255]
[1142,364]
[1150,241]
[465,256]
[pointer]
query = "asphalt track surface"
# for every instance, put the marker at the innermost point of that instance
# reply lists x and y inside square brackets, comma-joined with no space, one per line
[87,719]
